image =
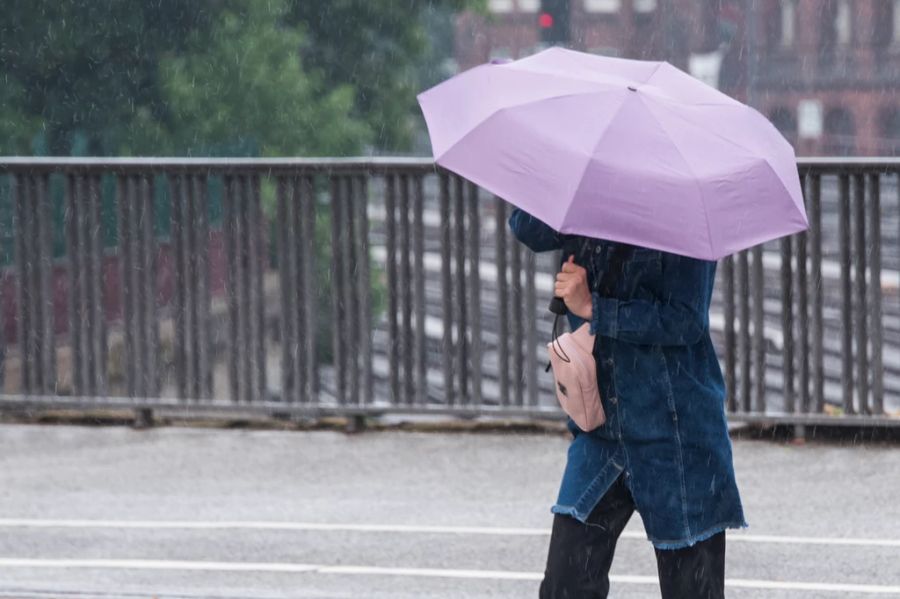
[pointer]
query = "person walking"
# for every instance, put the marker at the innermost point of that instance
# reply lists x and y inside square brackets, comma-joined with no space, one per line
[664,449]
[643,177]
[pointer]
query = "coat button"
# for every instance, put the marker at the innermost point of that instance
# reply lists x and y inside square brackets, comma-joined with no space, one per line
[609,361]
[598,249]
[613,400]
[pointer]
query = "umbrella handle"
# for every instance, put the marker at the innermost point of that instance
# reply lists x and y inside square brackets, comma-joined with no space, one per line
[558,306]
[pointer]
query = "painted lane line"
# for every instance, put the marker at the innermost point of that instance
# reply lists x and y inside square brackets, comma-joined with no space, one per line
[282,568]
[735,536]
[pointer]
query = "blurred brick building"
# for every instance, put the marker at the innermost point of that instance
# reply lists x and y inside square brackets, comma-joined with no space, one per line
[826,72]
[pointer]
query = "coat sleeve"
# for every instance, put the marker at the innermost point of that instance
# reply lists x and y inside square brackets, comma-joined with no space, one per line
[538,236]
[679,317]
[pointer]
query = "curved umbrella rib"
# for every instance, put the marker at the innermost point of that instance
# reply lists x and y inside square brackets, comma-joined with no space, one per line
[522,104]
[711,130]
[591,156]
[709,237]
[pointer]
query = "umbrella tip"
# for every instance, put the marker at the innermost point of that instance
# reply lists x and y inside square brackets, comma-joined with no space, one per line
[500,61]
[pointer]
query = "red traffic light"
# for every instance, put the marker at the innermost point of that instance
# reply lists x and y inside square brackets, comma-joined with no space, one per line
[545,20]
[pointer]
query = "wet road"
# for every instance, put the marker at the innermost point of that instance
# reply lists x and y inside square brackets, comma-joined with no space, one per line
[114,512]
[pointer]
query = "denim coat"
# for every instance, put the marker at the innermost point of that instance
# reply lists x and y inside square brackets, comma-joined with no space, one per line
[661,388]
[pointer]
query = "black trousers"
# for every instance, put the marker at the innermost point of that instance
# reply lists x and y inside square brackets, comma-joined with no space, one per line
[581,553]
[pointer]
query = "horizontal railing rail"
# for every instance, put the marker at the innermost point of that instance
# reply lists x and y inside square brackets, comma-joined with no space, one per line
[365,286]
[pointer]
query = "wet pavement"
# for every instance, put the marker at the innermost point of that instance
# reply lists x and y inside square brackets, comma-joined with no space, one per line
[178,512]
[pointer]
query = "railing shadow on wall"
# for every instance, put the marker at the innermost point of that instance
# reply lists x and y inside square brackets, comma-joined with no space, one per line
[314,287]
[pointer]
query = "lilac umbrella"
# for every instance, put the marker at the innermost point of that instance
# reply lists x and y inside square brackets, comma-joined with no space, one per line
[625,150]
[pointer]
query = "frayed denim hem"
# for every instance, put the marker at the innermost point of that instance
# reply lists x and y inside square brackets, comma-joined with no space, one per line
[697,538]
[569,510]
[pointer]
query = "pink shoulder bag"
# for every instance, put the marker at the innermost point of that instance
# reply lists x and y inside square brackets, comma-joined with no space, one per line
[572,357]
[575,375]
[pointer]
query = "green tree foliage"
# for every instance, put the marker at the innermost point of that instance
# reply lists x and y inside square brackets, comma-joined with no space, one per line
[374,45]
[225,77]
[243,90]
[15,125]
[89,67]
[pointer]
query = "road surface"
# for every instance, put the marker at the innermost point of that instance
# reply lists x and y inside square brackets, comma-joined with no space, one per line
[177,513]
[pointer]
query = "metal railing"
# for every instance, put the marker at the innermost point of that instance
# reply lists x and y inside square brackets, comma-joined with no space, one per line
[376,286]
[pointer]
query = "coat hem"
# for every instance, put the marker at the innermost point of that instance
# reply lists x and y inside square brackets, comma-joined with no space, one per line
[697,538]
[568,510]
[589,498]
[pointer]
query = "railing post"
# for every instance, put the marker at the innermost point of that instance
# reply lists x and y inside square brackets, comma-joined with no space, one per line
[244,305]
[201,262]
[759,326]
[730,357]
[502,301]
[743,279]
[351,297]
[421,395]
[307,245]
[474,299]
[258,260]
[861,303]
[459,291]
[145,290]
[531,369]
[446,290]
[846,294]
[338,295]
[285,232]
[787,325]
[518,362]
[229,227]
[143,418]
[364,284]
[815,236]
[406,292]
[803,314]
[876,317]
[390,222]
[77,304]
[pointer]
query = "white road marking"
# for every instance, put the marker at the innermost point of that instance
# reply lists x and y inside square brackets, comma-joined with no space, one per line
[270,567]
[733,536]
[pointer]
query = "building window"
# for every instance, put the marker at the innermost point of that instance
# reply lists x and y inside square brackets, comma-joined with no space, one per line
[835,30]
[889,131]
[529,5]
[843,23]
[883,24]
[895,21]
[644,6]
[788,21]
[840,133]
[500,5]
[809,118]
[603,6]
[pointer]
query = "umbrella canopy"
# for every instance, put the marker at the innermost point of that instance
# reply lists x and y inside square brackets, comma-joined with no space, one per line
[631,151]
